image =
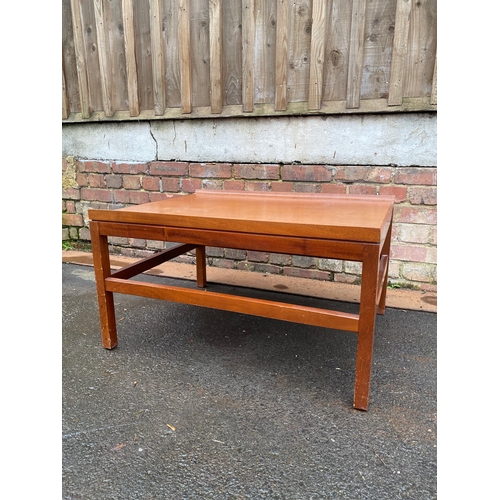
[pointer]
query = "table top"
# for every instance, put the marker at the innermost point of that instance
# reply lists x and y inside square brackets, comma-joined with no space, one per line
[361,218]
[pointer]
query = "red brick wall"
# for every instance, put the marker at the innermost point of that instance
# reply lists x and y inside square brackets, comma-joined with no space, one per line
[96,184]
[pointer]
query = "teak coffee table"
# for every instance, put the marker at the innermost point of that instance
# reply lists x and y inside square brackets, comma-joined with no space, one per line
[355,228]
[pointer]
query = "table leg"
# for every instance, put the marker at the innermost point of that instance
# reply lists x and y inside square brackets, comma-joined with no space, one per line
[105,301]
[366,328]
[386,250]
[201,267]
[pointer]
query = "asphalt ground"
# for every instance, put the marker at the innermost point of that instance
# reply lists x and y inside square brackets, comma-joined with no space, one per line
[196,403]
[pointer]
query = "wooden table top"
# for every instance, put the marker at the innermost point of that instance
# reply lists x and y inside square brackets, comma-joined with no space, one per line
[358,218]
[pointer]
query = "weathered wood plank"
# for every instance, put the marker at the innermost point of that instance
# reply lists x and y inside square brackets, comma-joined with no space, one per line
[282,9]
[185,59]
[143,55]
[434,82]
[232,53]
[157,57]
[65,100]
[318,33]
[130,64]
[91,54]
[216,55]
[422,43]
[299,50]
[69,58]
[81,59]
[248,35]
[356,48]
[116,53]
[200,52]
[103,52]
[409,105]
[377,53]
[171,40]
[337,50]
[399,52]
[265,50]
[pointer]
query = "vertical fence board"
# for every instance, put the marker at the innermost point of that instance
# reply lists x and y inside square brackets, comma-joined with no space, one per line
[280,100]
[434,82]
[379,35]
[421,49]
[91,54]
[299,50]
[215,56]
[157,57]
[399,52]
[248,26]
[337,50]
[265,51]
[184,43]
[200,52]
[116,53]
[356,47]
[65,101]
[103,53]
[69,58]
[232,53]
[81,59]
[131,67]
[171,40]
[317,54]
[144,64]
[428,54]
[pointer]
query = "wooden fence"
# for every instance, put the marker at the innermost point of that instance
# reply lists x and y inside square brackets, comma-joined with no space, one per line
[157,59]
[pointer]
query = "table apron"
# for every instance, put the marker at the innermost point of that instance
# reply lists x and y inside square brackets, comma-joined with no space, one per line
[140,231]
[312,247]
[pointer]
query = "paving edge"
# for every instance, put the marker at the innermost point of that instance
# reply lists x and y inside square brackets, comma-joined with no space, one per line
[415,300]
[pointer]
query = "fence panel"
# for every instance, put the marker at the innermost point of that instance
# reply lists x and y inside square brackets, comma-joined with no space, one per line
[163,59]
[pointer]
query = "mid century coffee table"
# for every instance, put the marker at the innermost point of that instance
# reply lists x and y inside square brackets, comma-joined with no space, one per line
[354,228]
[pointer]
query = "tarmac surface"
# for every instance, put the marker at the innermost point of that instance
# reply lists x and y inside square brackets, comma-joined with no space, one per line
[196,403]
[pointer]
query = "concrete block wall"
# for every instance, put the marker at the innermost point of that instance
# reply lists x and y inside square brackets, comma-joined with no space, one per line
[112,183]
